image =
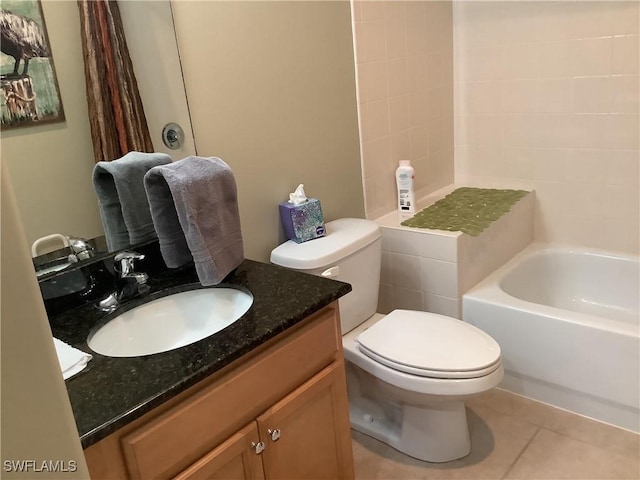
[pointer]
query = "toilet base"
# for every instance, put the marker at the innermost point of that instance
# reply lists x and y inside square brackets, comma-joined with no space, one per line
[432,428]
[438,433]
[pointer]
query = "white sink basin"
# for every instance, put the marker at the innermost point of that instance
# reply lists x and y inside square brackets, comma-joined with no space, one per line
[170,322]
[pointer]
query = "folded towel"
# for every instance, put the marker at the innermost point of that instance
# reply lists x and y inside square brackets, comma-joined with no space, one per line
[71,359]
[194,208]
[122,200]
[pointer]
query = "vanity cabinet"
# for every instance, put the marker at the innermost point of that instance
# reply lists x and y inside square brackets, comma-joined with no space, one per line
[303,446]
[279,412]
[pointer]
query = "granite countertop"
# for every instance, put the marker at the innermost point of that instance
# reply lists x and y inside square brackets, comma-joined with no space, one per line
[112,392]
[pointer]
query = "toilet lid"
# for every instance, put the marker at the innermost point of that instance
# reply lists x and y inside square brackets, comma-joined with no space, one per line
[430,345]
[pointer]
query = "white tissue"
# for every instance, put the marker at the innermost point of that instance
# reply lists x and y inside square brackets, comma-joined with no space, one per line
[71,359]
[298,197]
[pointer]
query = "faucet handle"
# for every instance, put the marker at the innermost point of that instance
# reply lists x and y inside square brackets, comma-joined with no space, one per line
[124,262]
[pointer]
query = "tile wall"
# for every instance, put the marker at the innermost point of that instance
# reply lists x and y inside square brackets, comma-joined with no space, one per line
[547,98]
[404,60]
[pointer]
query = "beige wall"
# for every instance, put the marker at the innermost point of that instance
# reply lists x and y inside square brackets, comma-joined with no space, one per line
[271,91]
[51,165]
[404,52]
[547,98]
[37,421]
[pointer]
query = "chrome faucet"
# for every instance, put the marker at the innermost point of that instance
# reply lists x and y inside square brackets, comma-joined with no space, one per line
[82,249]
[129,283]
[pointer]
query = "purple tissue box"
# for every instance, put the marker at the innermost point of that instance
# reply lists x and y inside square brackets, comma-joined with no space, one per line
[302,222]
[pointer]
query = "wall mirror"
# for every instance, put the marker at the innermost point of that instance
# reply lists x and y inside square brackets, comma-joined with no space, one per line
[50,166]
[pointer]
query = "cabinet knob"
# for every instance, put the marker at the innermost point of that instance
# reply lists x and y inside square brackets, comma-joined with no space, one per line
[257,447]
[274,433]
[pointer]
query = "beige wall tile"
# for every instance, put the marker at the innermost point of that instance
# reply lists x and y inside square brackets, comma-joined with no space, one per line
[553,19]
[592,56]
[416,28]
[442,305]
[418,107]
[622,132]
[625,55]
[407,298]
[377,120]
[519,96]
[591,19]
[397,75]
[555,59]
[626,17]
[624,94]
[400,147]
[373,41]
[376,155]
[591,94]
[372,10]
[399,113]
[372,78]
[396,34]
[477,64]
[413,42]
[554,95]
[419,141]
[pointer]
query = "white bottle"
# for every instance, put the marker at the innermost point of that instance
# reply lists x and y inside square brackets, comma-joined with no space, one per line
[404,180]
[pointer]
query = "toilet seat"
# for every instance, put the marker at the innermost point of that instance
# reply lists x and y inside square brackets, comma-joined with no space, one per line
[430,345]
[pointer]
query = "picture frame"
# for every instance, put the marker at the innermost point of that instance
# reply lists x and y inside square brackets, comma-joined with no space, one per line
[29,93]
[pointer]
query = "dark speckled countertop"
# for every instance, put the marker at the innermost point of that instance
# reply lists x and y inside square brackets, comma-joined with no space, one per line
[112,392]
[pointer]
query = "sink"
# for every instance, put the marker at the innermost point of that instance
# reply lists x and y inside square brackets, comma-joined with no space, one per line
[170,322]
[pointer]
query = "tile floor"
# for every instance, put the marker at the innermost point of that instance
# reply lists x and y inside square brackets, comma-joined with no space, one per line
[513,437]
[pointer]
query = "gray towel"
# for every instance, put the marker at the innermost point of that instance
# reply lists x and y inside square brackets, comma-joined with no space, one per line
[124,208]
[194,208]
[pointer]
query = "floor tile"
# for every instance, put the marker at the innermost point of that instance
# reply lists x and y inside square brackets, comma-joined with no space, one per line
[496,442]
[514,437]
[580,428]
[551,456]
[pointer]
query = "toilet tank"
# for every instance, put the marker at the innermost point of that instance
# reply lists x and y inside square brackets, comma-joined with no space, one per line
[351,252]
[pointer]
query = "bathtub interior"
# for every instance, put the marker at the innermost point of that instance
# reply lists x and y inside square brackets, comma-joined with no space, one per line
[590,282]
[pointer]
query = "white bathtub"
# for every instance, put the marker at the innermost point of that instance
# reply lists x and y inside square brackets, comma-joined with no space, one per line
[568,323]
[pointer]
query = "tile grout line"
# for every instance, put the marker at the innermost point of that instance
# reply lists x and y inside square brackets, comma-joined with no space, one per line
[506,474]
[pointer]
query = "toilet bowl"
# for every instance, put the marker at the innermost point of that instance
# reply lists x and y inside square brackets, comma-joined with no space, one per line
[408,372]
[428,419]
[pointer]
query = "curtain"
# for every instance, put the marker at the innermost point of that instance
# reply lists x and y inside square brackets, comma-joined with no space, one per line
[116,115]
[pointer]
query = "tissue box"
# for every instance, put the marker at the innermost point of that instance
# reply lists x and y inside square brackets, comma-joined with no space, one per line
[302,222]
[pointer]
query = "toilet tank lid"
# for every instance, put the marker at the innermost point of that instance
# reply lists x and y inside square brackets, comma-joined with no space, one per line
[342,238]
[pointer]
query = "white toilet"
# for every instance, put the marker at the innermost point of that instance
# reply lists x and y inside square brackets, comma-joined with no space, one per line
[408,372]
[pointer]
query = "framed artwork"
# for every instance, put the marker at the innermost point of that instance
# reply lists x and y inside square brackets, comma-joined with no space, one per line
[30,94]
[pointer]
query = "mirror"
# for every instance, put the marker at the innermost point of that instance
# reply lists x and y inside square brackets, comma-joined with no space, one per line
[50,165]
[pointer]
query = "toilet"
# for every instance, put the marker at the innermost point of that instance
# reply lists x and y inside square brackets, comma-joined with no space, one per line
[408,372]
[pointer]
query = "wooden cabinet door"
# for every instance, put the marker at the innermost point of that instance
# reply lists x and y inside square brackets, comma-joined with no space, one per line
[234,459]
[314,436]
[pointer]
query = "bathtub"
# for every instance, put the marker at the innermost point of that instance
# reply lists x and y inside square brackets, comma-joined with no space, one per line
[568,323]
